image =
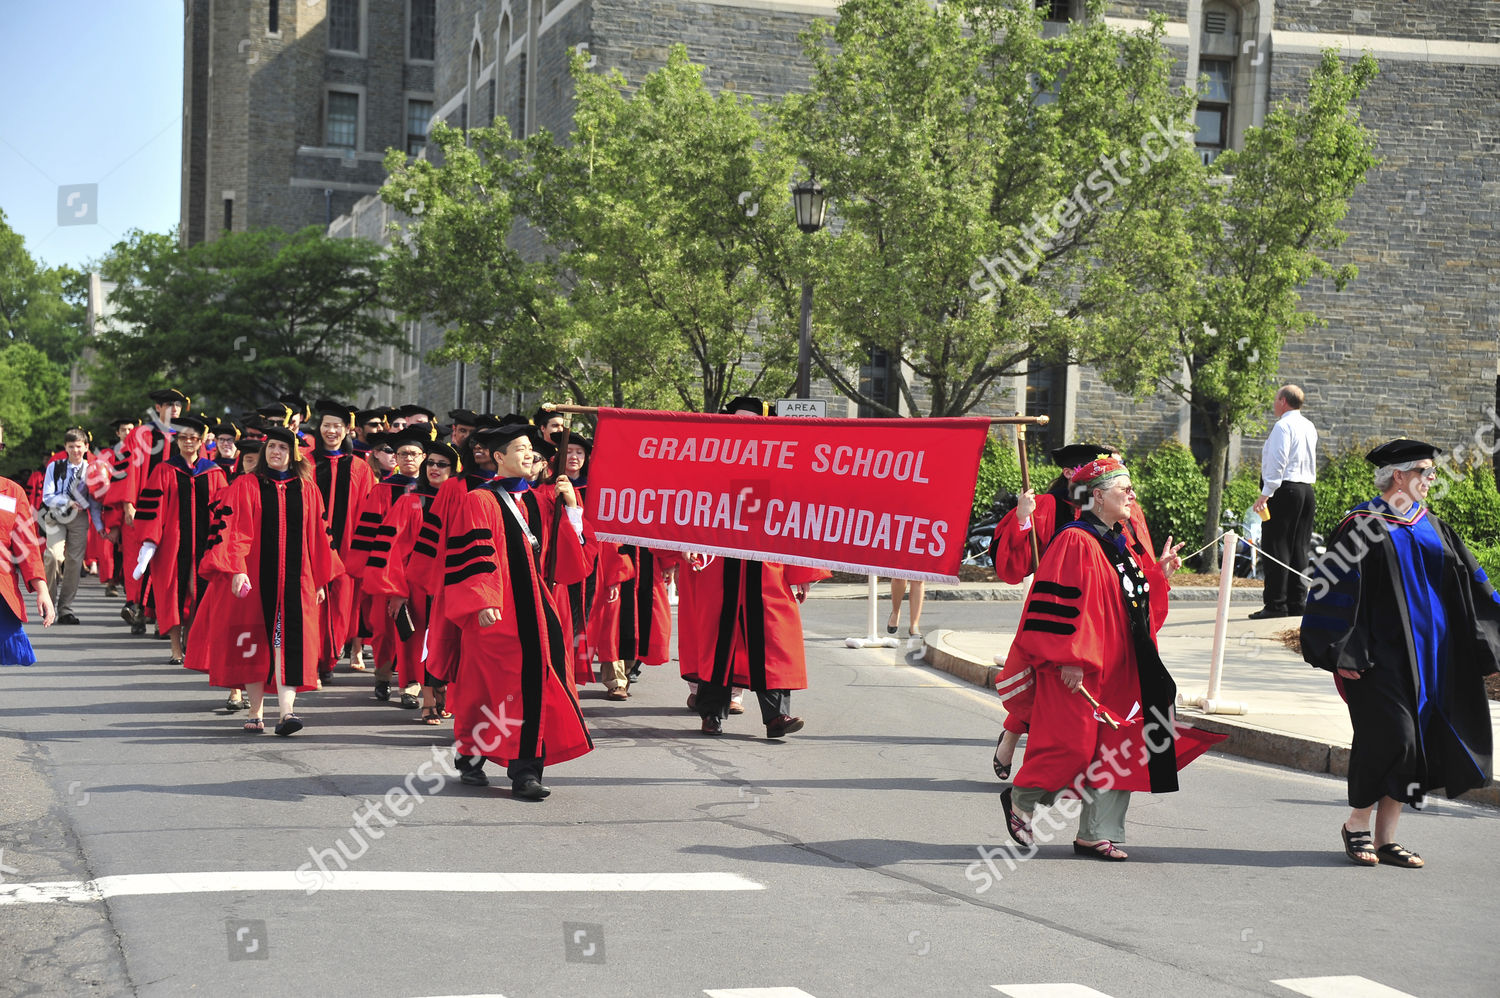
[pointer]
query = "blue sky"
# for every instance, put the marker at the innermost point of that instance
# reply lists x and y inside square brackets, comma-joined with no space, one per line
[93,95]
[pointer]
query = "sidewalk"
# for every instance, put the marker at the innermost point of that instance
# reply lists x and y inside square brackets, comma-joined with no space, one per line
[1295,716]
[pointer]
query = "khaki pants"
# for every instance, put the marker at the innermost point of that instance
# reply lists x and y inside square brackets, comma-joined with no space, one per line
[614,675]
[63,557]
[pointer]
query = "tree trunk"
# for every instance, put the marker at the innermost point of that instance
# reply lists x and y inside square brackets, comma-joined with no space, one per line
[1218,460]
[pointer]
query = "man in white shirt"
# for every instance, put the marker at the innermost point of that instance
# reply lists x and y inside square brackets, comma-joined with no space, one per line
[1288,468]
[68,505]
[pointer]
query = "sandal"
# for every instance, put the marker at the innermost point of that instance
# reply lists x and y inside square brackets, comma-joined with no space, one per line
[233,705]
[290,725]
[1101,850]
[1002,769]
[1019,828]
[431,715]
[1395,855]
[1359,847]
[255,726]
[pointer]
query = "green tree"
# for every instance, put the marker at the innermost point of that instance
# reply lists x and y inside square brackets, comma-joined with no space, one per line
[33,406]
[240,320]
[454,262]
[1002,195]
[640,262]
[1263,226]
[43,306]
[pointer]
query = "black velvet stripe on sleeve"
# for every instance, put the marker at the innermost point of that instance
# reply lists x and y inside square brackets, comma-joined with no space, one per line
[1052,609]
[479,549]
[1048,626]
[1057,589]
[148,505]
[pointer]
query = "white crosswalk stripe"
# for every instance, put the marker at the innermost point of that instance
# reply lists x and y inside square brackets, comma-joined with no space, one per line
[134,885]
[1048,991]
[1340,987]
[758,993]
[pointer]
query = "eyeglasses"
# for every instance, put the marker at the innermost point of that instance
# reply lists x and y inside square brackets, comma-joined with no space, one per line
[188,438]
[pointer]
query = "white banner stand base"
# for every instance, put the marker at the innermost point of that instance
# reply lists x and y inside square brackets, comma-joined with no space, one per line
[873,639]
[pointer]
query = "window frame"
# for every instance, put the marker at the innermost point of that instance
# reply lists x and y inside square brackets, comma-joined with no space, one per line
[359,115]
[417,98]
[362,14]
[432,59]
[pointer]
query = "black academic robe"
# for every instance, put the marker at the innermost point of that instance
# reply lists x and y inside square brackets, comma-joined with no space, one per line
[1357,619]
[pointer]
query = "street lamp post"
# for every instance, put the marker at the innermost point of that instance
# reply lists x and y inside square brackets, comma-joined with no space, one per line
[811,205]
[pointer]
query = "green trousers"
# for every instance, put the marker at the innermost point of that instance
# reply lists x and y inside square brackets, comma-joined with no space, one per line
[1102,815]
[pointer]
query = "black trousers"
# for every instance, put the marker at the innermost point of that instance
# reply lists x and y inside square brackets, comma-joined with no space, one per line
[1286,536]
[713,701]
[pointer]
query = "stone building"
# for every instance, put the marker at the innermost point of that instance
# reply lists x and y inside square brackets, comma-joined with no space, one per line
[1409,348]
[290,105]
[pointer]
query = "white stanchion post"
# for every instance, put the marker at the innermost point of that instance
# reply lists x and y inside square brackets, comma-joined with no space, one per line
[1210,703]
[873,639]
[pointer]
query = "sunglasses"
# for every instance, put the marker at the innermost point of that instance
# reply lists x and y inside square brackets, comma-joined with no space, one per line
[385,450]
[444,465]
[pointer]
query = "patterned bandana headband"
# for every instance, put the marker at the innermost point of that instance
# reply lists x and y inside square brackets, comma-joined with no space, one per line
[1096,472]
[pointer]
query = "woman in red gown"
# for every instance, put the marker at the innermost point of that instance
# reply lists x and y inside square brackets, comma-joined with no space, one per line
[268,565]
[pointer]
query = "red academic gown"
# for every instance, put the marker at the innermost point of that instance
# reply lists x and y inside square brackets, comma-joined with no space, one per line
[444,637]
[739,624]
[374,623]
[23,548]
[1076,615]
[147,446]
[515,698]
[111,468]
[637,624]
[175,511]
[272,531]
[344,481]
[1015,682]
[402,533]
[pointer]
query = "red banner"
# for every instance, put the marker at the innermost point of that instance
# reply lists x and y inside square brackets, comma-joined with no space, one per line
[872,496]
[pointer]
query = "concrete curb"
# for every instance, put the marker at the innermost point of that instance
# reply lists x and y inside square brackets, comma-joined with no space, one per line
[1246,740]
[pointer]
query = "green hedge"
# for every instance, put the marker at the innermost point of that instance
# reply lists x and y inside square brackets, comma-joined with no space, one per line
[1000,470]
[1343,483]
[1172,491]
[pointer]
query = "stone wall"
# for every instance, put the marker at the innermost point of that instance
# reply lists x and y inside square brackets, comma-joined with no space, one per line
[1455,20]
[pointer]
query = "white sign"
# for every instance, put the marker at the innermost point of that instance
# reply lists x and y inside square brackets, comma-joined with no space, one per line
[815,408]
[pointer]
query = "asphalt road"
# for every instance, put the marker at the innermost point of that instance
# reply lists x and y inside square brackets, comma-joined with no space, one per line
[850,853]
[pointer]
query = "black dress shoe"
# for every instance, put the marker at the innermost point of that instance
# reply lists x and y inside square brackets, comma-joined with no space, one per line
[1267,614]
[529,789]
[382,690]
[474,778]
[712,725]
[67,618]
[127,613]
[783,725]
